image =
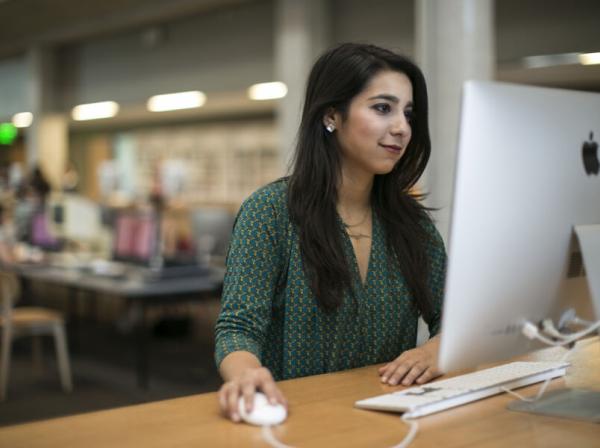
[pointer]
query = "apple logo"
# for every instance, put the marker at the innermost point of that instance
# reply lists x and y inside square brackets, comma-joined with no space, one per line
[589,151]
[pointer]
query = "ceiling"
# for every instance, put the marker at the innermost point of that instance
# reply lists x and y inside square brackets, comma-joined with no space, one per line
[27,23]
[575,76]
[51,22]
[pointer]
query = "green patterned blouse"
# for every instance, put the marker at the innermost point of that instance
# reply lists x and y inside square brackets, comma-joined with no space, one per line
[268,308]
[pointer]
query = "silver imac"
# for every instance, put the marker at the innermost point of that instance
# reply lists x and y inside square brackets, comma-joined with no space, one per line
[526,176]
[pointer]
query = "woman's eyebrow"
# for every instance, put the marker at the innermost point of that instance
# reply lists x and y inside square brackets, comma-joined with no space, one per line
[389,97]
[385,96]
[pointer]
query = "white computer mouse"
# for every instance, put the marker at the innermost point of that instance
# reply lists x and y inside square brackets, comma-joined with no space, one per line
[263,413]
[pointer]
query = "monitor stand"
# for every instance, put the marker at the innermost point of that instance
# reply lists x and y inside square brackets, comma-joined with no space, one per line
[579,404]
[589,242]
[575,404]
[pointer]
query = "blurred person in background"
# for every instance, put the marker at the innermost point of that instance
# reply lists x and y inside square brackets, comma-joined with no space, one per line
[7,238]
[30,212]
[70,179]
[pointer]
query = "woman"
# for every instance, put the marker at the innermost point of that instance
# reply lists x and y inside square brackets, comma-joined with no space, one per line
[330,268]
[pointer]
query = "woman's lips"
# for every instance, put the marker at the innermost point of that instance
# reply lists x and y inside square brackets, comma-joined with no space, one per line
[394,149]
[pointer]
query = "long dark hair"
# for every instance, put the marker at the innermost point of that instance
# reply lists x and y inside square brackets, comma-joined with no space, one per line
[336,78]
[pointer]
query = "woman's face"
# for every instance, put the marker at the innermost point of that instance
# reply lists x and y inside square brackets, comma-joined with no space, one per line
[377,128]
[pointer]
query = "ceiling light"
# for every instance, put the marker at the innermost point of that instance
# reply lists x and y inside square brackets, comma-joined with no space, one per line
[550,60]
[94,111]
[267,91]
[176,101]
[589,58]
[22,119]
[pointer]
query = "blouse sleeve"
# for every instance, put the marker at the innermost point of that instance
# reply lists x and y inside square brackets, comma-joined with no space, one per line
[252,271]
[437,278]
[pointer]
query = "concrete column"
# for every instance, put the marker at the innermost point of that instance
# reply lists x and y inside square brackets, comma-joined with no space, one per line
[454,43]
[301,35]
[46,140]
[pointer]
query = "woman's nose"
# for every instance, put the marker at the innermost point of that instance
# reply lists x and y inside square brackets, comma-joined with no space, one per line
[400,125]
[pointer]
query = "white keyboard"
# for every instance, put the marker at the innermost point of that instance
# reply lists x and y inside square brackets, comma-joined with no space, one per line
[444,394]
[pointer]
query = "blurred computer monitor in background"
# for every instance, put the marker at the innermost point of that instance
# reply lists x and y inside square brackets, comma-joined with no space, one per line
[76,222]
[81,219]
[212,229]
[135,237]
[526,175]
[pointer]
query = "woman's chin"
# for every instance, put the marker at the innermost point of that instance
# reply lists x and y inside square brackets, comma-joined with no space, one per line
[382,169]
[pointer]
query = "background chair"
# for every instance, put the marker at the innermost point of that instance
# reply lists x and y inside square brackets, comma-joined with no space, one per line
[29,321]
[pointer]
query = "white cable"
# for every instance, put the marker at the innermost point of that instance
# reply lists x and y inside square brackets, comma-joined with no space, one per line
[531,331]
[542,388]
[270,438]
[518,395]
[593,326]
[581,322]
[549,328]
[413,428]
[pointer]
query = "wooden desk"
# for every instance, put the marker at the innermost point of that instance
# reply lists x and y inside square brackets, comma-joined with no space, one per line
[322,415]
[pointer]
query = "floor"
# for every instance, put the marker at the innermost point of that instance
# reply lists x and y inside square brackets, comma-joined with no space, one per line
[103,375]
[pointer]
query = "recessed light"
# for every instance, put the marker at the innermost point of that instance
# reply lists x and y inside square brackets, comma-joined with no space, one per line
[176,101]
[22,119]
[267,91]
[94,111]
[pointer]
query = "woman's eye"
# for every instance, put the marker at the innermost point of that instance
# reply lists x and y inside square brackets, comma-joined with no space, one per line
[383,108]
[410,115]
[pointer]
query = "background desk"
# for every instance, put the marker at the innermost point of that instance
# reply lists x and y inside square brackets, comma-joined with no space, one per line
[322,415]
[140,292]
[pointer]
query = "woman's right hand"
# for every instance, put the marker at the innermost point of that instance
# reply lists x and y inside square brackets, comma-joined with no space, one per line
[245,385]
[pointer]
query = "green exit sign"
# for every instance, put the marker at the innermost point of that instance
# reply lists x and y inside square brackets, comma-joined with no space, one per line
[8,133]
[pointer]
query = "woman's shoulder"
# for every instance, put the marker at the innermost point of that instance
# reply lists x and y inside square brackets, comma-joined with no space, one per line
[435,243]
[434,238]
[268,200]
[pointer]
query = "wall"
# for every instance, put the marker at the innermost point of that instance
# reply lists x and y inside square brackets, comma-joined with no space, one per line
[225,50]
[233,47]
[534,27]
[389,23]
[13,87]
[229,49]
[224,162]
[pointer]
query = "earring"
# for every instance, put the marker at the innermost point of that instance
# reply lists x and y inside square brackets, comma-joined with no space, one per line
[330,127]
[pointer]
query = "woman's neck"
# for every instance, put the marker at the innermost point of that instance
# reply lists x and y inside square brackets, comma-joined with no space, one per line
[354,193]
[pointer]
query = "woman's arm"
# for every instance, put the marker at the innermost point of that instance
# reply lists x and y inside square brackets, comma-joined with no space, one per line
[421,364]
[253,266]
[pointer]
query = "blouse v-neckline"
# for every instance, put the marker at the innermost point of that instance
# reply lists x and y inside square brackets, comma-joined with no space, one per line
[350,248]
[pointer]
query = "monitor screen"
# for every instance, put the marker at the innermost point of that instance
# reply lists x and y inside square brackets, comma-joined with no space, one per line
[81,218]
[212,231]
[523,181]
[135,237]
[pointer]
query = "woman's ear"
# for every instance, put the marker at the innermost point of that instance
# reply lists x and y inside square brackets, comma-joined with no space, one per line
[330,119]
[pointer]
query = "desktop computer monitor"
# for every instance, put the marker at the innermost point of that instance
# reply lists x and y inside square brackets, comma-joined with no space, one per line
[135,237]
[76,218]
[212,231]
[526,175]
